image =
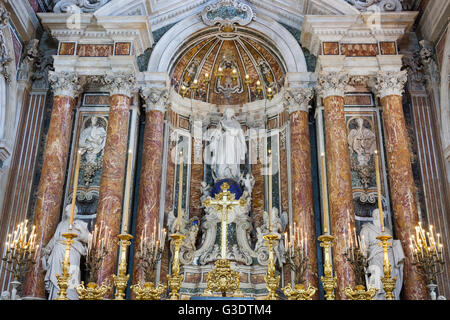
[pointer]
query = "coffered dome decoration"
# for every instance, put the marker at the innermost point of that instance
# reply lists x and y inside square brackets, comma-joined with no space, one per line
[234,67]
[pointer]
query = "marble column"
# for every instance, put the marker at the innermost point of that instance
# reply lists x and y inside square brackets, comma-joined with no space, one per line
[66,88]
[150,181]
[389,87]
[301,175]
[331,88]
[109,210]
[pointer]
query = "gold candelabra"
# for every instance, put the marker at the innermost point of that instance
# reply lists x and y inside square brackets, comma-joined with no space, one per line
[427,253]
[99,245]
[388,282]
[328,281]
[296,257]
[121,280]
[148,257]
[223,279]
[356,254]
[20,250]
[272,280]
[63,279]
[175,279]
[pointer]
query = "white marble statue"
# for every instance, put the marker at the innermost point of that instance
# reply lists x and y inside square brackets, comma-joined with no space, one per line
[248,182]
[369,233]
[227,148]
[172,222]
[205,190]
[279,223]
[362,141]
[92,141]
[55,251]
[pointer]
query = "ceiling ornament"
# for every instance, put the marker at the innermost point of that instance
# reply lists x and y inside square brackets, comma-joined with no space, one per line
[377,5]
[227,13]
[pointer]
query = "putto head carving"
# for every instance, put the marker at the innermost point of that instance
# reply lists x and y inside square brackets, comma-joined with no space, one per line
[227,13]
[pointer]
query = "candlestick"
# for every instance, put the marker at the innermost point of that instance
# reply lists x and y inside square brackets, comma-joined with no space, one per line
[324,196]
[270,191]
[126,211]
[180,190]
[75,187]
[380,203]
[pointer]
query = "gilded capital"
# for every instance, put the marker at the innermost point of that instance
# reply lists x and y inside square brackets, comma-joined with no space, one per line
[65,83]
[332,83]
[121,83]
[298,99]
[155,98]
[388,83]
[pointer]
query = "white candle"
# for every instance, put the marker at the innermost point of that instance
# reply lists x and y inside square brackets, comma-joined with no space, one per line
[126,211]
[324,196]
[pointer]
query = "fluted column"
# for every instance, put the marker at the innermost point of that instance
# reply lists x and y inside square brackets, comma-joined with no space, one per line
[150,176]
[389,87]
[301,175]
[66,89]
[109,210]
[331,89]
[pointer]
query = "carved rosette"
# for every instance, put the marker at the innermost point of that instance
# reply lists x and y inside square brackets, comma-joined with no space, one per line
[389,83]
[65,84]
[121,83]
[332,83]
[155,98]
[298,99]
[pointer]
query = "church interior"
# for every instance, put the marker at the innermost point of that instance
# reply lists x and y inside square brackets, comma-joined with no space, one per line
[224,149]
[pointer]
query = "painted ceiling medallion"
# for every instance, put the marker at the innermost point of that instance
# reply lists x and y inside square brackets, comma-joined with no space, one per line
[227,13]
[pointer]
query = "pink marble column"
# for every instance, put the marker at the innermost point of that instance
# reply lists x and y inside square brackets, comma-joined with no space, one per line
[331,89]
[49,199]
[389,87]
[109,210]
[301,176]
[150,177]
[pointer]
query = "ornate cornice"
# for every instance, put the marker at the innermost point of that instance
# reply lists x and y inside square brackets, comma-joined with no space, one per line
[388,83]
[123,83]
[155,98]
[332,83]
[78,6]
[65,84]
[298,99]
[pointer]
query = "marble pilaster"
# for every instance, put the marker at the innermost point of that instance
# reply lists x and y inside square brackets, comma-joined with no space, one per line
[301,175]
[331,88]
[66,88]
[150,185]
[109,210]
[389,87]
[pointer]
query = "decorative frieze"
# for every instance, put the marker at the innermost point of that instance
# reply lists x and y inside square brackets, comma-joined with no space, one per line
[388,83]
[121,83]
[156,98]
[65,83]
[332,83]
[298,99]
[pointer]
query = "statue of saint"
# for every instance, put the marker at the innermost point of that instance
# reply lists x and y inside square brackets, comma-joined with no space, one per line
[369,233]
[227,148]
[55,251]
[92,141]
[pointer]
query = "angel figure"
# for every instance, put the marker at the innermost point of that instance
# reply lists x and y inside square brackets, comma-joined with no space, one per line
[172,222]
[248,182]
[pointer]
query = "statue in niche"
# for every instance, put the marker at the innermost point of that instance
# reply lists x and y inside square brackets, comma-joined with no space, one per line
[227,148]
[55,251]
[92,145]
[369,233]
[362,142]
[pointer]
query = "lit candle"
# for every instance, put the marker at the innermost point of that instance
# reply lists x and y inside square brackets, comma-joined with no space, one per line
[380,203]
[207,75]
[180,190]
[285,240]
[324,196]
[75,188]
[126,211]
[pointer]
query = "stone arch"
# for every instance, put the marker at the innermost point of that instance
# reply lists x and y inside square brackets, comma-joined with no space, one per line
[165,50]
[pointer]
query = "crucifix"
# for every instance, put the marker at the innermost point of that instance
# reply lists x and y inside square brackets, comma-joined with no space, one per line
[223,202]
